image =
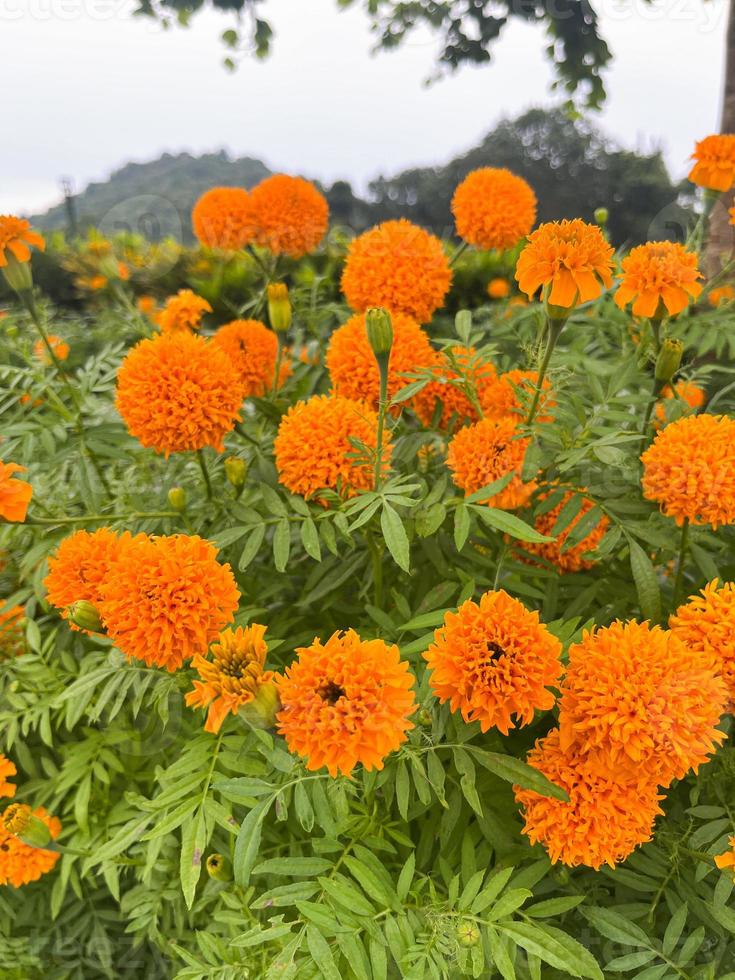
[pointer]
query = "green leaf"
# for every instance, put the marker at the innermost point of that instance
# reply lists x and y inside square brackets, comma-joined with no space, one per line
[616,927]
[293,866]
[646,582]
[489,490]
[282,544]
[395,536]
[310,539]
[252,546]
[508,523]
[631,961]
[322,954]
[554,947]
[248,842]
[461,526]
[513,770]
[554,906]
[193,842]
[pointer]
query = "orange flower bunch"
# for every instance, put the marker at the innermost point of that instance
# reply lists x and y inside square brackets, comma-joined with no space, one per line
[12,638]
[345,702]
[16,239]
[289,215]
[399,266]
[483,453]
[7,768]
[706,625]
[15,495]
[21,863]
[59,347]
[658,278]
[714,162]
[686,395]
[498,288]
[566,559]
[222,218]
[184,311]
[502,399]
[493,208]
[493,660]
[252,349]
[449,388]
[179,392]
[721,295]
[726,861]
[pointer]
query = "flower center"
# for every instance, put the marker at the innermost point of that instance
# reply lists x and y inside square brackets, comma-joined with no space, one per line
[331,692]
[494,652]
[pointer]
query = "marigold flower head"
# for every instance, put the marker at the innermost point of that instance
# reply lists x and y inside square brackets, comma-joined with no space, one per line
[15,495]
[290,216]
[706,624]
[166,598]
[16,235]
[7,768]
[493,660]
[502,398]
[222,218]
[685,394]
[606,818]
[351,362]
[184,311]
[399,266]
[727,860]
[20,863]
[493,208]
[178,392]
[570,260]
[498,288]
[148,306]
[689,470]
[658,276]
[451,370]
[721,294]
[485,452]
[12,638]
[252,349]
[570,559]
[714,162]
[636,698]
[315,446]
[58,345]
[345,702]
[232,676]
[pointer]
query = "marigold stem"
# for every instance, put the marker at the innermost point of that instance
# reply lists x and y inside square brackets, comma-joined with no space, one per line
[555,328]
[205,473]
[382,408]
[458,251]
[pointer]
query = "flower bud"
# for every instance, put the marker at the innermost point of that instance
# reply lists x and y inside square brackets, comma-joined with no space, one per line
[177,499]
[17,274]
[279,307]
[379,329]
[262,710]
[467,933]
[84,615]
[236,471]
[219,867]
[20,821]
[601,216]
[424,718]
[668,360]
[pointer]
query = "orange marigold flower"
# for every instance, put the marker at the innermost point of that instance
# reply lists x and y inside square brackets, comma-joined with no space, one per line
[493,208]
[148,306]
[684,393]
[7,768]
[233,677]
[498,288]
[315,446]
[689,470]
[290,216]
[15,495]
[635,698]
[20,863]
[567,559]
[222,218]
[502,398]
[706,624]
[485,452]
[714,162]
[59,347]
[451,370]
[253,349]
[721,294]
[184,311]
[12,638]
[399,266]
[179,392]
[345,702]
[727,860]
[493,660]
[570,260]
[16,235]
[658,275]
[351,362]
[607,816]
[166,598]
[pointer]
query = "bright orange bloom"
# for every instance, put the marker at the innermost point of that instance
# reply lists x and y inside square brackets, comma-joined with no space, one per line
[493,660]
[399,266]
[234,675]
[449,388]
[252,349]
[727,860]
[498,288]
[721,294]
[20,863]
[345,702]
[16,235]
[184,311]
[12,638]
[222,218]
[714,162]
[608,815]
[570,559]
[148,306]
[502,398]
[59,347]
[658,275]
[706,624]
[685,394]
[315,446]
[179,392]
[290,216]
[7,768]
[493,208]
[570,260]
[485,452]
[636,699]
[690,470]
[166,598]
[352,366]
[15,495]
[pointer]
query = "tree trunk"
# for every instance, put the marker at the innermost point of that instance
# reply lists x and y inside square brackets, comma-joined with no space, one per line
[721,232]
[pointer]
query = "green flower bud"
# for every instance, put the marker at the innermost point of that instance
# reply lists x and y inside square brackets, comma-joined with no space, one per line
[236,471]
[84,615]
[467,933]
[425,718]
[279,307]
[262,710]
[379,330]
[601,216]
[18,274]
[20,821]
[177,499]
[219,867]
[668,360]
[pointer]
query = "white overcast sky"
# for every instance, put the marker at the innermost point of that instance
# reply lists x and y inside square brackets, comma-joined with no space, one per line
[87,87]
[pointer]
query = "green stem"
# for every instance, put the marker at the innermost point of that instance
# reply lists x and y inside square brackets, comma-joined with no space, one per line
[377,568]
[134,515]
[657,386]
[30,304]
[555,328]
[277,370]
[457,252]
[382,408]
[678,581]
[205,473]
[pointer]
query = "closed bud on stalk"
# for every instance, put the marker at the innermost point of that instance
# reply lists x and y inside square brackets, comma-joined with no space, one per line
[177,499]
[467,933]
[84,615]
[668,360]
[279,307]
[18,274]
[20,821]
[424,718]
[379,329]
[601,216]
[236,471]
[262,710]
[219,867]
